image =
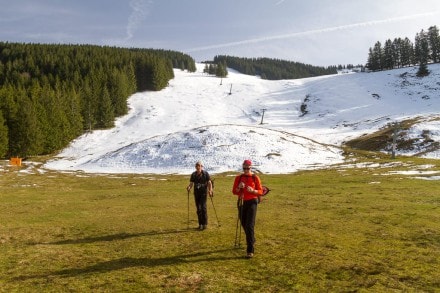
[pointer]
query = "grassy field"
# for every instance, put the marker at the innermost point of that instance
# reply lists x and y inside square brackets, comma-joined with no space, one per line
[346,229]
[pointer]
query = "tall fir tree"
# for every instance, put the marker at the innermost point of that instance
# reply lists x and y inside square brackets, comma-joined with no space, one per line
[396,52]
[421,47]
[388,56]
[407,52]
[105,111]
[375,57]
[25,135]
[221,70]
[4,140]
[434,43]
[423,70]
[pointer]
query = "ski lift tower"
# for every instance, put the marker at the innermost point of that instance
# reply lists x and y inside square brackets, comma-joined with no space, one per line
[262,115]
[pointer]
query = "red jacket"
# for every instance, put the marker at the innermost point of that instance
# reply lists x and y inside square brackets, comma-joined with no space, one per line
[253,181]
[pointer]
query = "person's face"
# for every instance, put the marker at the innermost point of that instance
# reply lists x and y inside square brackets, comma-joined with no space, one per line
[246,169]
[198,167]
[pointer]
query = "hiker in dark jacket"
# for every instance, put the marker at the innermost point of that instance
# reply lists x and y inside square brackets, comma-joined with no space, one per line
[201,181]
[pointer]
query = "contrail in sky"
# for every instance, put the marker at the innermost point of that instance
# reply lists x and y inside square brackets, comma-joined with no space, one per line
[311,32]
[141,8]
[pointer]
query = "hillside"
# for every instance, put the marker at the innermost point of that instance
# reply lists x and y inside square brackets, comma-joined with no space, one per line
[306,121]
[52,93]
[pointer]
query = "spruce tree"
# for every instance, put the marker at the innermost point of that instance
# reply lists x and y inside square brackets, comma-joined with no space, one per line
[423,70]
[4,141]
[388,60]
[421,48]
[25,135]
[105,115]
[396,52]
[370,59]
[378,56]
[434,43]
[406,52]
[375,57]
[221,70]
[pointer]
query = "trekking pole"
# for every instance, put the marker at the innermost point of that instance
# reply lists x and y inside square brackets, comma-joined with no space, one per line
[236,232]
[241,223]
[218,223]
[238,227]
[188,212]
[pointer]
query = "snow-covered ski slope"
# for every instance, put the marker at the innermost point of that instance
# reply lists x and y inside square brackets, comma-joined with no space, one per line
[218,121]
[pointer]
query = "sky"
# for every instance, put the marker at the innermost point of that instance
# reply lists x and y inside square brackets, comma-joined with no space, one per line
[200,120]
[294,30]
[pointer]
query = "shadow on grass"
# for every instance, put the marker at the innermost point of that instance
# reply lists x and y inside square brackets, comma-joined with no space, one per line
[130,262]
[113,237]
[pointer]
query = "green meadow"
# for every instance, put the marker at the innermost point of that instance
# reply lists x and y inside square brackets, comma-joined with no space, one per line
[350,228]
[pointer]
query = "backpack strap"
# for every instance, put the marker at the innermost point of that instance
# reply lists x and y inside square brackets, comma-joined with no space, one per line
[253,177]
[265,189]
[202,181]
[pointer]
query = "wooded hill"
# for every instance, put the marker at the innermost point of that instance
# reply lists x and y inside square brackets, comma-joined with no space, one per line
[51,94]
[273,69]
[401,52]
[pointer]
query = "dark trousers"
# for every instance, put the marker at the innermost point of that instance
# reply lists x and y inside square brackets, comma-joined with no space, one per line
[247,214]
[202,211]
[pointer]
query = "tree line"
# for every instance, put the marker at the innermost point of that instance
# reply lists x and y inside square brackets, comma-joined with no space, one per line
[402,52]
[273,69]
[51,94]
[219,70]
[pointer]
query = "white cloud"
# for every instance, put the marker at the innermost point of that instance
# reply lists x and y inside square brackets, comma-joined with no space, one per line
[140,10]
[312,32]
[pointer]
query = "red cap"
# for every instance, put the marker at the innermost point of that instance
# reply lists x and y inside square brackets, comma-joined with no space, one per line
[247,162]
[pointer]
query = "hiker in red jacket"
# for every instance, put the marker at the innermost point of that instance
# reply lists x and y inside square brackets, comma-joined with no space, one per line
[247,186]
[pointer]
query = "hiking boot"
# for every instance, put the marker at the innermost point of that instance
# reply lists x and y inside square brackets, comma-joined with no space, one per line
[200,227]
[205,227]
[249,255]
